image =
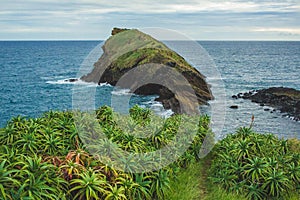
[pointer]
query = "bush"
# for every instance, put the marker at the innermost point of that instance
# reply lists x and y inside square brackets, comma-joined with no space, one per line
[45,158]
[260,166]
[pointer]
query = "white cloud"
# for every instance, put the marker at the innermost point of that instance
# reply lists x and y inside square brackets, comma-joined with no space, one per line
[278,30]
[34,30]
[92,18]
[153,7]
[140,6]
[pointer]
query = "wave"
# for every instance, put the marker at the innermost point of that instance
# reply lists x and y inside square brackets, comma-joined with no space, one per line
[155,106]
[75,81]
[52,77]
[105,84]
[121,92]
[158,108]
[69,81]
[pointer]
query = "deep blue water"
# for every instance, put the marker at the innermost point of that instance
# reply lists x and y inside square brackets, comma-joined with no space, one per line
[32,73]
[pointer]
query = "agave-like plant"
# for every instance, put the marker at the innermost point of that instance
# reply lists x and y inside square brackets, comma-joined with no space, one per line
[34,165]
[160,183]
[10,154]
[89,185]
[141,189]
[224,178]
[53,144]
[140,115]
[38,180]
[79,156]
[110,173]
[126,181]
[242,150]
[244,131]
[256,169]
[294,173]
[7,181]
[270,139]
[115,193]
[276,182]
[28,143]
[71,169]
[105,115]
[255,192]
[36,187]
[9,135]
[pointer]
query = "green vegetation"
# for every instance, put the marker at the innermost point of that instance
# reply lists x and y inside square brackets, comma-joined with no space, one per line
[260,166]
[132,47]
[151,55]
[192,183]
[130,40]
[45,158]
[216,176]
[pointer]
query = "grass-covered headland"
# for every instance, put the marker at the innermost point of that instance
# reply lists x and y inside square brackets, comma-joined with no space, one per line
[44,158]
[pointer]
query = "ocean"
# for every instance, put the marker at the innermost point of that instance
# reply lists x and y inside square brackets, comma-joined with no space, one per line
[33,73]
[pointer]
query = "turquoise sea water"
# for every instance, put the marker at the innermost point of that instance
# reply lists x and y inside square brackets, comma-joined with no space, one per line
[32,74]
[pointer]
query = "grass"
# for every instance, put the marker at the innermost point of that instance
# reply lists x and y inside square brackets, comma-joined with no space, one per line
[153,54]
[294,94]
[219,193]
[130,40]
[192,184]
[187,185]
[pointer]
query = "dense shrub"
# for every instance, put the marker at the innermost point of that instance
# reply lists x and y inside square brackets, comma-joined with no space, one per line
[258,165]
[45,158]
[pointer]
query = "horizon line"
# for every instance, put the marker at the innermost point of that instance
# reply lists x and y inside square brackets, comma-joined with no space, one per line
[94,40]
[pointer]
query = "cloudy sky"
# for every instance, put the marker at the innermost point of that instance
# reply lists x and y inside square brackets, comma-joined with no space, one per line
[198,19]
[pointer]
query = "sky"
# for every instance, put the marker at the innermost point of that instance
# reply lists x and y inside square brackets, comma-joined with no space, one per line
[197,19]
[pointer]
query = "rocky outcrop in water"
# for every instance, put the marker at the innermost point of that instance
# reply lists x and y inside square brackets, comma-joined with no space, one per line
[127,49]
[286,100]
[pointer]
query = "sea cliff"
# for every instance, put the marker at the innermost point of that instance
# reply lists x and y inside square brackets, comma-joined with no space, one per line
[127,49]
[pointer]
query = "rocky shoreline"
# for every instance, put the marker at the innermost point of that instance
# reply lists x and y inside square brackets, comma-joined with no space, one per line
[285,100]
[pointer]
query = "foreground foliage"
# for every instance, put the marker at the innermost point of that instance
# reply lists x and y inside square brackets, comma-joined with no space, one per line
[260,166]
[45,158]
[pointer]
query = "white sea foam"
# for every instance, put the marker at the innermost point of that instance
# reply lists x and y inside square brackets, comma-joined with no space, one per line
[52,77]
[67,81]
[105,84]
[77,82]
[158,108]
[121,92]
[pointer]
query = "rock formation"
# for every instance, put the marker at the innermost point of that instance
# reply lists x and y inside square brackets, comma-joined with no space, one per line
[127,49]
[287,100]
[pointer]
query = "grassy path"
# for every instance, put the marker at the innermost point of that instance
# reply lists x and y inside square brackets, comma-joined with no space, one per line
[203,178]
[193,184]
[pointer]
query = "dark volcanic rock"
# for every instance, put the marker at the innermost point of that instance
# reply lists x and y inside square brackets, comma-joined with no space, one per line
[286,100]
[71,80]
[118,30]
[129,51]
[234,107]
